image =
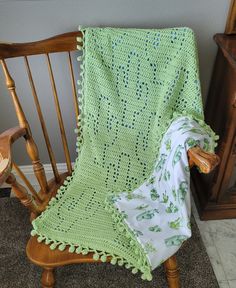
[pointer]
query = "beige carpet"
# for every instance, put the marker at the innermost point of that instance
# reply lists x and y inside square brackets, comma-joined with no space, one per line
[16,271]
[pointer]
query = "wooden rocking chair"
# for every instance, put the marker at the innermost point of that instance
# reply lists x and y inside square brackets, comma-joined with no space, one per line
[40,253]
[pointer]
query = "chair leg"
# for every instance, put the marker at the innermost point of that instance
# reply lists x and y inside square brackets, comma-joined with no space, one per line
[47,279]
[172,272]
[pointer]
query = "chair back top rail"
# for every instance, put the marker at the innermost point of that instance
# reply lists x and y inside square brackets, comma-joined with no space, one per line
[231,19]
[59,43]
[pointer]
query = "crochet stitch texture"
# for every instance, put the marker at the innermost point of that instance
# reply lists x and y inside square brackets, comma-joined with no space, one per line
[134,83]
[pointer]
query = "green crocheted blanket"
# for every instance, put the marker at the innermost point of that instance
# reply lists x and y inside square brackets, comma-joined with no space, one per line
[134,83]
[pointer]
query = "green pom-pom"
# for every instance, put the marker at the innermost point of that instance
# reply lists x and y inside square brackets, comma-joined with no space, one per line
[127,266]
[52,201]
[85,251]
[72,249]
[104,258]
[40,239]
[62,247]
[47,241]
[144,277]
[96,256]
[33,233]
[78,250]
[53,246]
[134,270]
[120,262]
[113,261]
[149,277]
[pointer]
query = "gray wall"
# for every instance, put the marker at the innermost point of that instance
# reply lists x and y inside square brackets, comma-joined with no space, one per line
[22,21]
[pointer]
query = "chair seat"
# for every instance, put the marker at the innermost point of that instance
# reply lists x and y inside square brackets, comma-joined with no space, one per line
[41,254]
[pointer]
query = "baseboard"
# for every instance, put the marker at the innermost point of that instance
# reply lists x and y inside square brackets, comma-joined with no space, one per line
[29,173]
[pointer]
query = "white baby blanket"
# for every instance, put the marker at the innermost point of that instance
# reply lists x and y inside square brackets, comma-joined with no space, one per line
[158,211]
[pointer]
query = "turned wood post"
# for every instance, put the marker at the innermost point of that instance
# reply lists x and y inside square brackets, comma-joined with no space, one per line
[172,272]
[31,147]
[47,279]
[21,193]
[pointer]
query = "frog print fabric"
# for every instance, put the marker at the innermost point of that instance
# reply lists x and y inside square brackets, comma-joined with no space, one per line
[158,212]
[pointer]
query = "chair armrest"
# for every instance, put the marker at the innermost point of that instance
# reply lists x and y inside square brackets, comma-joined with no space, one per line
[7,138]
[205,161]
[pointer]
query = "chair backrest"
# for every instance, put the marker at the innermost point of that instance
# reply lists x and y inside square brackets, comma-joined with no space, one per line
[61,43]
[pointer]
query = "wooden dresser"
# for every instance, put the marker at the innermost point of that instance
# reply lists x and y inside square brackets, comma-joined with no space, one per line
[215,194]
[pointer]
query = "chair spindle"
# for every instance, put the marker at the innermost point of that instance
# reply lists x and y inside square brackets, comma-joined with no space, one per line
[21,193]
[42,122]
[31,147]
[59,116]
[27,183]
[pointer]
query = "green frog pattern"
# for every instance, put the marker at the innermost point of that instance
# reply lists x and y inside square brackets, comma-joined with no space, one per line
[175,224]
[149,248]
[172,208]
[168,144]
[195,131]
[151,180]
[154,195]
[191,142]
[132,196]
[206,145]
[187,169]
[161,162]
[147,215]
[184,126]
[176,240]
[137,233]
[114,198]
[177,155]
[174,193]
[166,175]
[142,207]
[165,198]
[182,191]
[124,215]
[155,228]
